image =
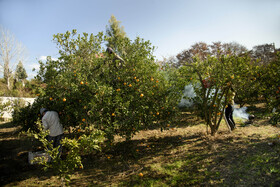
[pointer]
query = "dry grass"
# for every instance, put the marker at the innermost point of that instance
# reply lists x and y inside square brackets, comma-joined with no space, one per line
[183,155]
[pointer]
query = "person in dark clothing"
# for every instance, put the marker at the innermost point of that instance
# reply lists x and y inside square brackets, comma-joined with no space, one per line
[229,110]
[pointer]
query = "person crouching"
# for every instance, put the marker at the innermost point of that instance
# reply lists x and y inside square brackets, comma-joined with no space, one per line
[51,122]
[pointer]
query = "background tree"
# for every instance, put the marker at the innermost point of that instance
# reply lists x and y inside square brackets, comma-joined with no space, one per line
[20,73]
[11,51]
[115,34]
[264,53]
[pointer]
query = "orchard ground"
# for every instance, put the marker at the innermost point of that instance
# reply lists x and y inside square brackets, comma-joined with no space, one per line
[183,155]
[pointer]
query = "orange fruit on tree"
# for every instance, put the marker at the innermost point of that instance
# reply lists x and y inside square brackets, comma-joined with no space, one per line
[81,82]
[140,174]
[51,98]
[64,99]
[141,95]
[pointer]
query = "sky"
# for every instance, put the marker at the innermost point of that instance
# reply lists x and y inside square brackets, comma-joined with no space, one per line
[170,25]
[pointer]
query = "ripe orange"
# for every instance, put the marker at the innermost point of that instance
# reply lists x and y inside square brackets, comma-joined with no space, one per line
[152,79]
[64,99]
[157,113]
[51,98]
[113,114]
[83,119]
[118,89]
[82,82]
[130,85]
[134,77]
[141,95]
[141,175]
[124,83]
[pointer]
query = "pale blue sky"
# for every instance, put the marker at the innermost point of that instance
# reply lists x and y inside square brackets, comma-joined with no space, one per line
[170,25]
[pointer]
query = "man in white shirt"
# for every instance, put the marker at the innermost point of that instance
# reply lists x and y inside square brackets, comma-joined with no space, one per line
[51,122]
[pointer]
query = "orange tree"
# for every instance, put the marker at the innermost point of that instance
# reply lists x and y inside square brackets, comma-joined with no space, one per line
[96,94]
[89,86]
[269,87]
[212,80]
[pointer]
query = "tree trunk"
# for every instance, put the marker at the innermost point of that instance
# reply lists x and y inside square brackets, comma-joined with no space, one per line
[8,83]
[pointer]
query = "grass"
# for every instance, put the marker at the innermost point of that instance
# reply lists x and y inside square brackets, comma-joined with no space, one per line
[184,155]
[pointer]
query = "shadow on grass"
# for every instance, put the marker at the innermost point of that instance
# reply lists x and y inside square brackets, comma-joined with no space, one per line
[14,165]
[192,159]
[228,160]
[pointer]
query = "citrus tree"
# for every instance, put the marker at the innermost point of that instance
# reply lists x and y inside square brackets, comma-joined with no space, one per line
[213,78]
[95,91]
[89,86]
[269,87]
